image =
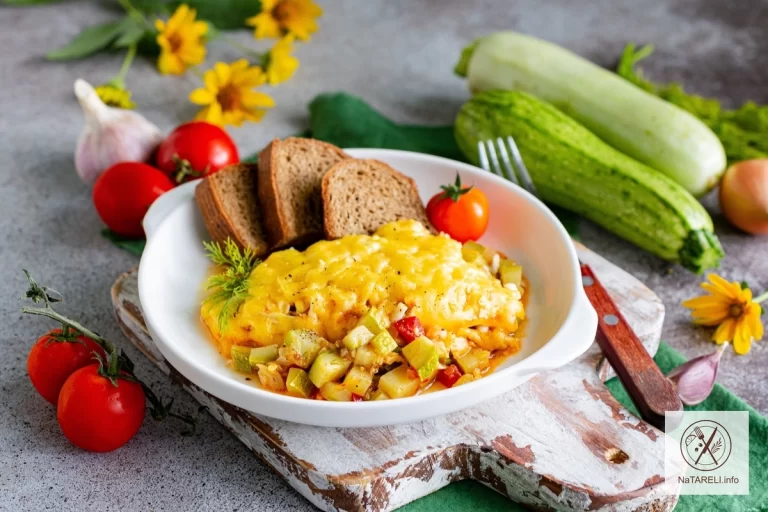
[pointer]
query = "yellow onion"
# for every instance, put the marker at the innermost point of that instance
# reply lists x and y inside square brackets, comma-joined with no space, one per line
[744,196]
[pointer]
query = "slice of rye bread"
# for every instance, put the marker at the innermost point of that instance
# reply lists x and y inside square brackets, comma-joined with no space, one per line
[230,207]
[359,196]
[290,176]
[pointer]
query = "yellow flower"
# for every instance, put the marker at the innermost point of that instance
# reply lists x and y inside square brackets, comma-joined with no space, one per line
[279,62]
[731,309]
[115,96]
[181,40]
[228,94]
[277,17]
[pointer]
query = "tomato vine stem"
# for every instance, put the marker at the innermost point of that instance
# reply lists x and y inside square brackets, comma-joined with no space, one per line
[119,367]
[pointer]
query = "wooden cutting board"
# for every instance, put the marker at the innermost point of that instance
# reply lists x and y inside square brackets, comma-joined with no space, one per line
[559,442]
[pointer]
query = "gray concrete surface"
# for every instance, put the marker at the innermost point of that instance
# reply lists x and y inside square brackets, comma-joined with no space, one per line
[396,54]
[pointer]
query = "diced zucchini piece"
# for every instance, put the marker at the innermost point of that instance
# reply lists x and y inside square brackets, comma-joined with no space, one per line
[298,383]
[379,395]
[240,355]
[270,378]
[510,272]
[358,380]
[335,392]
[370,322]
[475,359]
[463,380]
[328,367]
[367,356]
[423,355]
[357,337]
[300,347]
[383,343]
[261,355]
[475,252]
[398,384]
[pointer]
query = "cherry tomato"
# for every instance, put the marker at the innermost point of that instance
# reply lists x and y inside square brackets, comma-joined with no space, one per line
[97,416]
[54,357]
[194,150]
[409,328]
[448,376]
[123,194]
[459,211]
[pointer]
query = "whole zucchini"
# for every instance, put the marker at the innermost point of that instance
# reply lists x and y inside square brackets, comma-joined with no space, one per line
[639,124]
[572,168]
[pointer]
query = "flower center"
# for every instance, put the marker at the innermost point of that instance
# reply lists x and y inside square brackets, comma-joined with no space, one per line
[229,98]
[736,310]
[284,11]
[175,41]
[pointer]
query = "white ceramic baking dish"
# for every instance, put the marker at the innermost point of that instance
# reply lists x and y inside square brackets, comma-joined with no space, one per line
[561,322]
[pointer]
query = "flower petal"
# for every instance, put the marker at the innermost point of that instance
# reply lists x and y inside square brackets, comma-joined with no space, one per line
[752,317]
[211,81]
[721,286]
[725,332]
[742,338]
[202,97]
[265,26]
[170,64]
[222,73]
[213,114]
[255,99]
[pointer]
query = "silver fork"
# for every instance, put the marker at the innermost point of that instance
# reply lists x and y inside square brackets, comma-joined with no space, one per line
[652,394]
[488,149]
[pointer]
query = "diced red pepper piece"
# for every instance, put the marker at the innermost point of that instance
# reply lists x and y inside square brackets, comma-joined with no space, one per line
[356,398]
[412,373]
[409,328]
[448,376]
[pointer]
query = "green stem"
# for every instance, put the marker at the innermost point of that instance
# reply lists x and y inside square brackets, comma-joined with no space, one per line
[761,298]
[134,13]
[119,80]
[50,313]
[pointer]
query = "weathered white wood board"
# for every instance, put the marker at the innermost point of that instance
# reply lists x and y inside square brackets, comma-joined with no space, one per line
[559,442]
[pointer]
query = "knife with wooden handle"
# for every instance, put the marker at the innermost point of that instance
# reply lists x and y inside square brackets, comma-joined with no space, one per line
[650,391]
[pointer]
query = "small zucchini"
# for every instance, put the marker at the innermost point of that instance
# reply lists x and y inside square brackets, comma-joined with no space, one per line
[572,168]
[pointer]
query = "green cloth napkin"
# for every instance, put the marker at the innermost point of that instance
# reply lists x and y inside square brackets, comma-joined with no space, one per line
[349,122]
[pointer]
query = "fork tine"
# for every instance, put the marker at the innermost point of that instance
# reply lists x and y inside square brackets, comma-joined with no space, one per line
[483,156]
[509,170]
[520,166]
[495,166]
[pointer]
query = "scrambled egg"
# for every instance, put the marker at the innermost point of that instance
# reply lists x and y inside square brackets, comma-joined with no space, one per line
[331,284]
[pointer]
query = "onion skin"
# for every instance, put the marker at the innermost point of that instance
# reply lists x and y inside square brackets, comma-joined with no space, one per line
[744,196]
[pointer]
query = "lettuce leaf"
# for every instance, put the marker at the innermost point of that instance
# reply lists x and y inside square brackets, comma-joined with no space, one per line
[743,132]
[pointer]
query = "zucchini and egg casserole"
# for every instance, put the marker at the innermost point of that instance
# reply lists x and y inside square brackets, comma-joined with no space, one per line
[373,317]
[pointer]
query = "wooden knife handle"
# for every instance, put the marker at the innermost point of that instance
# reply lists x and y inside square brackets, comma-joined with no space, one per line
[650,391]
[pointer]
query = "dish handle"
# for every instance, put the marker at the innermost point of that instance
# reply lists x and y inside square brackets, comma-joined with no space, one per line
[582,332]
[165,204]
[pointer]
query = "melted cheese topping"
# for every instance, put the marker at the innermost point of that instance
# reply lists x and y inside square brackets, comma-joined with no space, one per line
[330,285]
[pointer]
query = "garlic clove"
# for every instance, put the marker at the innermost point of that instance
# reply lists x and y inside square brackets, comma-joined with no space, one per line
[110,135]
[695,379]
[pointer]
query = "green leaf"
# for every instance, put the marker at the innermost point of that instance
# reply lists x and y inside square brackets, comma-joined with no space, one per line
[134,246]
[132,32]
[91,40]
[224,14]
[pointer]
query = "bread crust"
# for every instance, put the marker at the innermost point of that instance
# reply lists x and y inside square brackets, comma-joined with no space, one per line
[211,206]
[331,228]
[279,232]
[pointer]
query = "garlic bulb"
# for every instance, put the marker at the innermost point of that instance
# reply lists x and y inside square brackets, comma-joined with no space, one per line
[695,379]
[111,135]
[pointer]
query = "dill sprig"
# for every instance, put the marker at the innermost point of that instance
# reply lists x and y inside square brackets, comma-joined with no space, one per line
[230,288]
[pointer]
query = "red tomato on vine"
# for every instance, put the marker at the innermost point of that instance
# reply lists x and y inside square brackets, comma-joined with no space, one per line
[194,150]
